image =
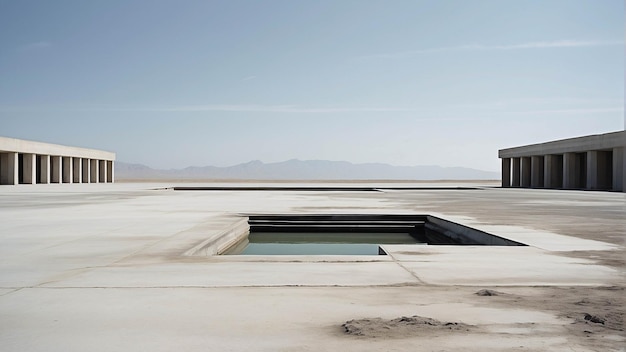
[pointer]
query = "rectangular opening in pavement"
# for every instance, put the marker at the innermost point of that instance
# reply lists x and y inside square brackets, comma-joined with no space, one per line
[352,234]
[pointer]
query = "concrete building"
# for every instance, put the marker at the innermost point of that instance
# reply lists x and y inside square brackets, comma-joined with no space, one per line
[28,162]
[595,162]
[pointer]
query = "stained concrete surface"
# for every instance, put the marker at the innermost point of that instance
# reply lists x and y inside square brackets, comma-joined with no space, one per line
[101,267]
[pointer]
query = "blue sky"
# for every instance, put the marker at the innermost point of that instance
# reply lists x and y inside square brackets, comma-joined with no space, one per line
[172,84]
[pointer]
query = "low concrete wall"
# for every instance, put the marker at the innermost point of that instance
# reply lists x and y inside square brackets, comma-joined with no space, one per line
[467,235]
[221,242]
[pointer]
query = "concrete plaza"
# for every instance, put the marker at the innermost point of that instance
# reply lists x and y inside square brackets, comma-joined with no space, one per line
[102,267]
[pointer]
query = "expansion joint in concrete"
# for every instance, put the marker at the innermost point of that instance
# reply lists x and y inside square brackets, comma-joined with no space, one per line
[406,269]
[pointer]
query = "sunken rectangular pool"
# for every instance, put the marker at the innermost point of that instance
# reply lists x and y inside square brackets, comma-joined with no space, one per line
[360,234]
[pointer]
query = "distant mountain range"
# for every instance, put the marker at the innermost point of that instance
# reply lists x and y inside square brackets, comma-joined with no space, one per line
[303,170]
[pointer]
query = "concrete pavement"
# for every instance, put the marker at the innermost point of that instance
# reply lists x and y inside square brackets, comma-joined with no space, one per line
[103,267]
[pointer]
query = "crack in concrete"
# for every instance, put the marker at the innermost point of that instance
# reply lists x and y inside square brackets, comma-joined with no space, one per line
[13,291]
[406,269]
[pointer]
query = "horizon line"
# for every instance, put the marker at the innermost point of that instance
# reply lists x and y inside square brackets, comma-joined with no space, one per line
[301,160]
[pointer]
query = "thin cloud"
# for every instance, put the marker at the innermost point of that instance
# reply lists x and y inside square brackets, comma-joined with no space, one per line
[605,104]
[430,113]
[557,44]
[35,46]
[276,109]
[571,111]
[212,108]
[248,78]
[327,110]
[478,47]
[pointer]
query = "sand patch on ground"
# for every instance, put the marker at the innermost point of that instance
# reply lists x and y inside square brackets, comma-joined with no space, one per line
[596,314]
[400,327]
[591,318]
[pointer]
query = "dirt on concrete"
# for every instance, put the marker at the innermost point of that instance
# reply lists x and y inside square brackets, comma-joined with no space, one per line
[593,318]
[400,327]
[615,259]
[486,292]
[597,314]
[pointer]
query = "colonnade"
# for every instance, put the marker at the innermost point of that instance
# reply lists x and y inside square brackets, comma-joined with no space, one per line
[26,168]
[593,162]
[26,162]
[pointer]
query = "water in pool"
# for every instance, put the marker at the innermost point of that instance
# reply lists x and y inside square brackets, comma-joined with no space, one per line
[311,243]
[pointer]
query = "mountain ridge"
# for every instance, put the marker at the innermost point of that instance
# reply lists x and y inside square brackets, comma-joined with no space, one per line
[295,169]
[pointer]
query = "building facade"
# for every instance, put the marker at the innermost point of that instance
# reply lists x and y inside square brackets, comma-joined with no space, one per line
[28,162]
[595,162]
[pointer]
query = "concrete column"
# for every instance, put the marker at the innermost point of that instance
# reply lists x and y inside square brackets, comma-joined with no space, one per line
[624,169]
[506,172]
[515,173]
[29,169]
[9,168]
[86,168]
[525,171]
[44,168]
[110,171]
[94,171]
[77,172]
[536,167]
[605,169]
[56,170]
[553,171]
[548,171]
[103,171]
[619,169]
[67,169]
[570,171]
[592,170]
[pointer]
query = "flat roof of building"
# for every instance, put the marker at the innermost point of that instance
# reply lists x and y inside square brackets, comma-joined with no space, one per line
[570,145]
[32,147]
